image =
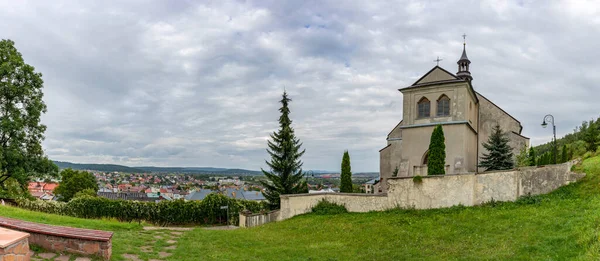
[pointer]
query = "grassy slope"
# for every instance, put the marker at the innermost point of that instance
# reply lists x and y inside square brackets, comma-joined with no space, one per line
[559,226]
[562,225]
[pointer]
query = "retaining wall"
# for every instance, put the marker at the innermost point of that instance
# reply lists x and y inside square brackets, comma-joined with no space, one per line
[252,220]
[443,191]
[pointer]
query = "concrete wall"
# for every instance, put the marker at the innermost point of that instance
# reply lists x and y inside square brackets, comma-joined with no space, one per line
[443,191]
[252,220]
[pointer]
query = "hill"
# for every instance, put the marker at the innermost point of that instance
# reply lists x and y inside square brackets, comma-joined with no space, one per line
[97,167]
[563,225]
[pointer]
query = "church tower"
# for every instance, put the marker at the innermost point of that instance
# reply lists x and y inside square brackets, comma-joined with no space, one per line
[463,64]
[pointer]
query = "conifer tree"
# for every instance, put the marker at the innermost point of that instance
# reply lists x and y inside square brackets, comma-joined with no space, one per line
[346,176]
[285,175]
[564,155]
[499,155]
[436,157]
[532,159]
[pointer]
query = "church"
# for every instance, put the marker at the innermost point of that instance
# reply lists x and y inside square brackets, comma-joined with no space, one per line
[467,117]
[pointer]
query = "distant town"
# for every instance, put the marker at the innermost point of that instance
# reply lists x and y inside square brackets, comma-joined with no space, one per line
[188,183]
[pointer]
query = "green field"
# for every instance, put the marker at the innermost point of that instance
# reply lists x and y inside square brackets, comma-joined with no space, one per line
[563,225]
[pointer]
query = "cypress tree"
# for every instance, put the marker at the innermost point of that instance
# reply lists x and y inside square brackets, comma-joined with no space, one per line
[532,159]
[564,154]
[346,182]
[285,173]
[499,155]
[436,156]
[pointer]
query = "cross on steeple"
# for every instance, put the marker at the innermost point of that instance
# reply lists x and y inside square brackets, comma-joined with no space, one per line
[464,39]
[438,60]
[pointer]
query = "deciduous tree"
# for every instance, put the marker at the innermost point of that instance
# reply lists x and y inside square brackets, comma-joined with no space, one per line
[21,107]
[74,181]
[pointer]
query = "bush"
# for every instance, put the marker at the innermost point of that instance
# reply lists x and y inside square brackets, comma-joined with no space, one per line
[164,213]
[325,207]
[418,179]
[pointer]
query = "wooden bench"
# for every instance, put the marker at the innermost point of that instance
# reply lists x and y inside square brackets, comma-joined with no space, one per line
[67,239]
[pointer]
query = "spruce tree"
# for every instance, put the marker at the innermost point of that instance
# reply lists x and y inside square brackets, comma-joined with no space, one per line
[285,173]
[532,159]
[564,155]
[499,155]
[436,157]
[346,176]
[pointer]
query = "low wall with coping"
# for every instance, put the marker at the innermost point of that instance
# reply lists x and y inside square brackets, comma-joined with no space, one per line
[251,220]
[443,190]
[14,245]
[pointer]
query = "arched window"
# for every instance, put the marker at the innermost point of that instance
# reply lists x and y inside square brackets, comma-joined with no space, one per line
[443,106]
[425,157]
[423,108]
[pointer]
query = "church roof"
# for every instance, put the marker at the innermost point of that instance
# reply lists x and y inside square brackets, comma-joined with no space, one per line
[464,55]
[438,75]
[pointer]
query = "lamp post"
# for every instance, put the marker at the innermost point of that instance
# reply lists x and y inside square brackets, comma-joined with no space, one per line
[550,118]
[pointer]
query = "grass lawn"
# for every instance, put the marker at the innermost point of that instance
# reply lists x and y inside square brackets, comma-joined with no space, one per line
[563,225]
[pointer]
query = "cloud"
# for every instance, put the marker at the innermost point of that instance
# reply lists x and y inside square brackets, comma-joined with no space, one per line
[191,83]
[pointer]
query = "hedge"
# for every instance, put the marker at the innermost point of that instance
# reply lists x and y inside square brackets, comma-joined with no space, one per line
[164,213]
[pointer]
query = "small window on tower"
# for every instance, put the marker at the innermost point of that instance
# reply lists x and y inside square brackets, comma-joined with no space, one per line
[443,106]
[423,107]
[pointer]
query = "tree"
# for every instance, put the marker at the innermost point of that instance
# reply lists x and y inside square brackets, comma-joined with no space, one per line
[499,154]
[564,155]
[285,176]
[532,157]
[436,155]
[74,181]
[523,157]
[591,136]
[346,176]
[21,132]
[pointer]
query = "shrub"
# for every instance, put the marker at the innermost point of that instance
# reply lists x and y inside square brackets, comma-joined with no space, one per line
[325,207]
[418,179]
[164,213]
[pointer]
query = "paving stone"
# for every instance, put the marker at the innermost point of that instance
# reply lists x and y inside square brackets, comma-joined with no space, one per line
[171,241]
[83,259]
[63,258]
[158,237]
[46,255]
[177,233]
[155,260]
[146,249]
[163,254]
[131,257]
[171,247]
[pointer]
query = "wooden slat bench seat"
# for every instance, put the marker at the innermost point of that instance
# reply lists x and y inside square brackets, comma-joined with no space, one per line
[68,239]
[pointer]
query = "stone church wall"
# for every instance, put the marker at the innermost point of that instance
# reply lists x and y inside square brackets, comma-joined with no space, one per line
[443,191]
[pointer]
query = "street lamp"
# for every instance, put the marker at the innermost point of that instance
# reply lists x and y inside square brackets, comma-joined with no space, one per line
[550,118]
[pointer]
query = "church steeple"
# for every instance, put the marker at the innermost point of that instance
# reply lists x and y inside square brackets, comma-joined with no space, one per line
[463,63]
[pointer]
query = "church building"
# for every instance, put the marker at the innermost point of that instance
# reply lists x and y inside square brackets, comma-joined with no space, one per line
[466,116]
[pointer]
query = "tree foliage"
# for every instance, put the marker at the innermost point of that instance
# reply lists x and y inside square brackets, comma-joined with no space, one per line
[73,182]
[346,174]
[564,155]
[523,157]
[21,132]
[285,175]
[436,155]
[499,154]
[532,159]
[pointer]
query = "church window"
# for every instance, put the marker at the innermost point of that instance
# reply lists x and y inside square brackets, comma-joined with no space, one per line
[443,106]
[425,157]
[423,108]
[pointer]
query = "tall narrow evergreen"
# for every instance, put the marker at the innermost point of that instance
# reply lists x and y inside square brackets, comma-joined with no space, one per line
[564,155]
[499,155]
[346,176]
[285,175]
[436,156]
[532,157]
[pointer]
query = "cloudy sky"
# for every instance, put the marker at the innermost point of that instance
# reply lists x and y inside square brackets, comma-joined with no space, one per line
[197,83]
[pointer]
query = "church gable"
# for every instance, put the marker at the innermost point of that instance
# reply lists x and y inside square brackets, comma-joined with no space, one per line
[437,74]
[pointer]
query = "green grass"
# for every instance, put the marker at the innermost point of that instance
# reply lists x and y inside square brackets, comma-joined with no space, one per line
[564,225]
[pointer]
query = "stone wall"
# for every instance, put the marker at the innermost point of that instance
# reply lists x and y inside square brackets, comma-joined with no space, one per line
[72,245]
[443,191]
[252,220]
[14,245]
